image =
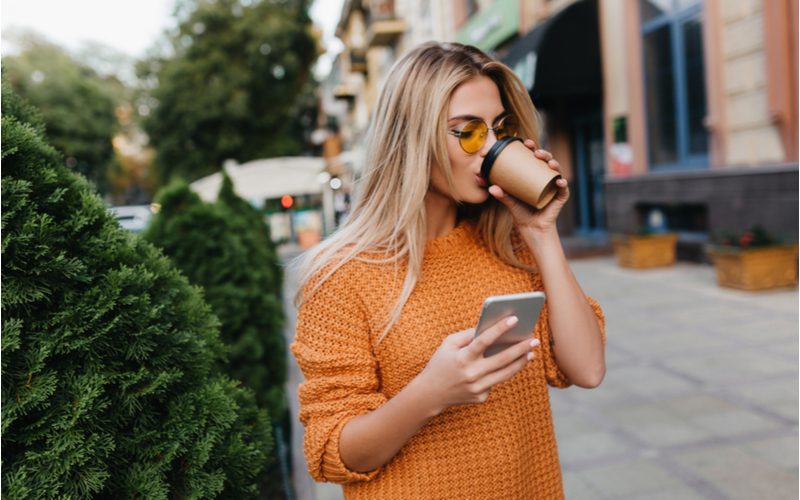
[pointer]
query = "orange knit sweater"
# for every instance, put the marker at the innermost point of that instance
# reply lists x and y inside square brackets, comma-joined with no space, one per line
[503,448]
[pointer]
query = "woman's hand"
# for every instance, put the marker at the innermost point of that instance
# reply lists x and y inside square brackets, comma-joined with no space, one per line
[458,374]
[526,216]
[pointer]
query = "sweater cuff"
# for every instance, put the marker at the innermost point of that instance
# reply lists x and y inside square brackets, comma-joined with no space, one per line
[333,468]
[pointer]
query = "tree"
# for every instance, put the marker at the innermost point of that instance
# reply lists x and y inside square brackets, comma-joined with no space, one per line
[230,88]
[257,231]
[77,105]
[109,356]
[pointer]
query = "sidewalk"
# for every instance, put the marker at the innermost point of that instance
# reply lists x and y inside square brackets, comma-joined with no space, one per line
[700,400]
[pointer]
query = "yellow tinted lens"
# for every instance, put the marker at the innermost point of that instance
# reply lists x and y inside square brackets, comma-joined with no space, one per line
[472,136]
[508,127]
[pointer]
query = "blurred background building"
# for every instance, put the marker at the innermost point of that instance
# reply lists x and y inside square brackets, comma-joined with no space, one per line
[679,115]
[289,189]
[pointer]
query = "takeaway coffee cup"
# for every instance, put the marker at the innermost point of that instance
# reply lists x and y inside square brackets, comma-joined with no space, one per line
[515,168]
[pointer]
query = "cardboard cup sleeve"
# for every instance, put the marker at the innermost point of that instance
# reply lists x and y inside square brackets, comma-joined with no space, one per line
[515,168]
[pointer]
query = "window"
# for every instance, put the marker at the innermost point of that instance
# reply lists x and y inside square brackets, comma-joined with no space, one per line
[471,7]
[675,85]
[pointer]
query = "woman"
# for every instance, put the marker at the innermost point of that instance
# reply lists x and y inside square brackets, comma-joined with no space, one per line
[398,399]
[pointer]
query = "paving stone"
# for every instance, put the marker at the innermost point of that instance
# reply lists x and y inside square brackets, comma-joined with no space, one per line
[763,331]
[616,358]
[590,446]
[766,392]
[572,424]
[781,451]
[674,342]
[698,404]
[655,427]
[786,409]
[652,382]
[328,491]
[730,367]
[576,488]
[669,431]
[735,423]
[786,348]
[626,479]
[670,494]
[741,475]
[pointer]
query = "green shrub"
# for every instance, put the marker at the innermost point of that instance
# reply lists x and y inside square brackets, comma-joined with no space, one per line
[109,380]
[225,248]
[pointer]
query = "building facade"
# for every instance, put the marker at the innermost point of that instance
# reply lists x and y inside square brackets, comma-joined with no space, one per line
[706,117]
[375,33]
[679,115]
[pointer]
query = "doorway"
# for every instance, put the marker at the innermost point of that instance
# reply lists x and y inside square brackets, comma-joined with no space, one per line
[589,164]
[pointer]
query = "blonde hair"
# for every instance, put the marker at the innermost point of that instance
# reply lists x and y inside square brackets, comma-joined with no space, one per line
[406,139]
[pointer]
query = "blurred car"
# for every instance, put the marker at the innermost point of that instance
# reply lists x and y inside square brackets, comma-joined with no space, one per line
[134,218]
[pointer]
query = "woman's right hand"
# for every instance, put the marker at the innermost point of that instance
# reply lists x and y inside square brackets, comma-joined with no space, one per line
[458,374]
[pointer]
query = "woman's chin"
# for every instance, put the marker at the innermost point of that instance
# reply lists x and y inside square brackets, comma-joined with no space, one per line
[475,197]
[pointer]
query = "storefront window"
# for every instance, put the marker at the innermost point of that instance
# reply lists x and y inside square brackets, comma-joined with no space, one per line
[675,87]
[660,97]
[695,85]
[471,6]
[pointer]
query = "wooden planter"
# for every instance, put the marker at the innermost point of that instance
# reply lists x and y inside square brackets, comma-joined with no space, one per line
[643,252]
[755,269]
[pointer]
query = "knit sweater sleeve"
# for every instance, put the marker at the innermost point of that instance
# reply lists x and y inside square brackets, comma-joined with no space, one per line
[333,348]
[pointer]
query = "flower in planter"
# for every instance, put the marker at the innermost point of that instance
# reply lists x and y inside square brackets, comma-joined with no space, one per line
[754,260]
[755,237]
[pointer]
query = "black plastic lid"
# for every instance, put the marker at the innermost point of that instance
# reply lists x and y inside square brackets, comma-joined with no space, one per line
[494,151]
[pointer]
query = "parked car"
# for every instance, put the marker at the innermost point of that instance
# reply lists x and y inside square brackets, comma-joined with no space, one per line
[134,218]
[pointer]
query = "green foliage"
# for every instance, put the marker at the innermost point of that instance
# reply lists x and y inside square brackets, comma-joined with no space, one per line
[226,249]
[76,104]
[109,386]
[755,237]
[260,244]
[231,89]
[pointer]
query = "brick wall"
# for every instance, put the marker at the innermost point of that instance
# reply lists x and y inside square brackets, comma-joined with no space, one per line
[730,199]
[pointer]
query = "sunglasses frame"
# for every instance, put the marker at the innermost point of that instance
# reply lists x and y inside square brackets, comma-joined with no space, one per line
[460,133]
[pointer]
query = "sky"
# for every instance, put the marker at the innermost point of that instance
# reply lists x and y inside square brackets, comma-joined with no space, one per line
[130,26]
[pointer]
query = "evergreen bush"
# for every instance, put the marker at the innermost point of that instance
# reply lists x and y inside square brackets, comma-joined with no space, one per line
[225,248]
[109,379]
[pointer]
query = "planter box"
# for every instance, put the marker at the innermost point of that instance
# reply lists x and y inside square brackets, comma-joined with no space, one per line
[755,269]
[643,252]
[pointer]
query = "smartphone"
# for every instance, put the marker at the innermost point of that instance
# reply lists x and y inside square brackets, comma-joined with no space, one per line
[525,306]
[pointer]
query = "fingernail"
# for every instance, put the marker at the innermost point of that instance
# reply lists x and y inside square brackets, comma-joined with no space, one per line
[530,356]
[512,321]
[534,342]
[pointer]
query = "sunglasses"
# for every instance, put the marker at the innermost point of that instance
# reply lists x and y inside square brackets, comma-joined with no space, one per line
[472,135]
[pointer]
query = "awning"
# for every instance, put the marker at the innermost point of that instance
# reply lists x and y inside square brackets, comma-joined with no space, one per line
[523,55]
[266,179]
[560,57]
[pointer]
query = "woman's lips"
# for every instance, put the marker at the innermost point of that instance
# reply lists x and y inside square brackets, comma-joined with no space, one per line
[481,182]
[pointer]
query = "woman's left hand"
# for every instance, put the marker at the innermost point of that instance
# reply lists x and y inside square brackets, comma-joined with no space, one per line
[526,216]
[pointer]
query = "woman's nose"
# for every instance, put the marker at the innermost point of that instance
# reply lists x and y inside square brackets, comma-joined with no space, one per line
[491,138]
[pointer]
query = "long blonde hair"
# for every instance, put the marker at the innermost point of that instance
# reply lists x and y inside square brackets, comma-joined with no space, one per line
[406,139]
